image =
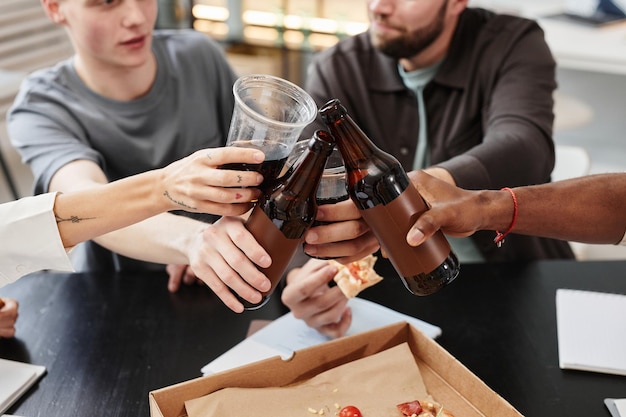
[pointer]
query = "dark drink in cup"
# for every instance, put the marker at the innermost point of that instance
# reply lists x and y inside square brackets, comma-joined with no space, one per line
[269,115]
[332,187]
[275,156]
[331,200]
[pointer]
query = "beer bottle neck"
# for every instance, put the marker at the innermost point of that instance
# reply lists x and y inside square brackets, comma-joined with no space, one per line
[305,177]
[352,142]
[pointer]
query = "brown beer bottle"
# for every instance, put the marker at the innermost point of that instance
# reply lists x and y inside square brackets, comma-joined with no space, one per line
[389,204]
[281,217]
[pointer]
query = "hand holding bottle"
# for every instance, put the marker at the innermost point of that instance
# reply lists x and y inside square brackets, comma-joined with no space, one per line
[389,203]
[448,217]
[227,258]
[346,237]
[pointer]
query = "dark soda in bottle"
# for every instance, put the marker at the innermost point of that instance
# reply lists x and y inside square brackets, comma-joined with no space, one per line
[281,217]
[389,204]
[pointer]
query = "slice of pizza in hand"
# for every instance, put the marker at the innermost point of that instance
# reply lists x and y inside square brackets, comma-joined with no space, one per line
[356,276]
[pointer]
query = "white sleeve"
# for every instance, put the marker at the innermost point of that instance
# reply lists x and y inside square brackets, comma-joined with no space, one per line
[30,238]
[623,242]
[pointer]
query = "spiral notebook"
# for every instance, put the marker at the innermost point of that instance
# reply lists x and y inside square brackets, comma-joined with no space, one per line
[616,406]
[15,379]
[591,331]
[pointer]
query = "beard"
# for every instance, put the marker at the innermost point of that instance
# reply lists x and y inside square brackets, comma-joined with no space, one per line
[412,43]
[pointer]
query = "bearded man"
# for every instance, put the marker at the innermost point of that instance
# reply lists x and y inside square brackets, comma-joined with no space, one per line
[463,93]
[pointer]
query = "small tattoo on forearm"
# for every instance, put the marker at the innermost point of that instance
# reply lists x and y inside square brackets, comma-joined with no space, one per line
[71,219]
[180,203]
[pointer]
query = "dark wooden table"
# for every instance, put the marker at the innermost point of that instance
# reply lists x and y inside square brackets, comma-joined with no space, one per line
[107,341]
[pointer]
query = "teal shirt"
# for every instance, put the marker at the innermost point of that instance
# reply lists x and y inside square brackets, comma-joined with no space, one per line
[417,80]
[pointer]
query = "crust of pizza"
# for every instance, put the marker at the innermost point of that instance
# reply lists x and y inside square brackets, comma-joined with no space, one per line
[356,276]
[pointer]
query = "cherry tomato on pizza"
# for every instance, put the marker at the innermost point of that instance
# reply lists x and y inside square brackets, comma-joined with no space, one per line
[350,411]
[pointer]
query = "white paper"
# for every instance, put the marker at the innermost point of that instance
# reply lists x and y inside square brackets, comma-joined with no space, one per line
[617,407]
[15,379]
[591,330]
[581,7]
[287,334]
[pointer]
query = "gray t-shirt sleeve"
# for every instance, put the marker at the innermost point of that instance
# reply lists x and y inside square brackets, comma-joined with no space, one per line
[47,137]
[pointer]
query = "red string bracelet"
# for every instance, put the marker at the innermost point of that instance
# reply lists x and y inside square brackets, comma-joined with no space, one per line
[499,239]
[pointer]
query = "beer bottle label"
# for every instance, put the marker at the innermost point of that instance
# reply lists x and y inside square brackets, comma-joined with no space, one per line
[280,248]
[391,223]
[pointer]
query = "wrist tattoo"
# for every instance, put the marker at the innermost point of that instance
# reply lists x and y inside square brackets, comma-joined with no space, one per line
[71,219]
[180,203]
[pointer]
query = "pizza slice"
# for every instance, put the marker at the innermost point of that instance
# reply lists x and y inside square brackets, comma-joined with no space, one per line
[423,408]
[356,276]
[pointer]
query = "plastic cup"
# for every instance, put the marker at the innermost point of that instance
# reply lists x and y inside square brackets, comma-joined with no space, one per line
[269,114]
[332,186]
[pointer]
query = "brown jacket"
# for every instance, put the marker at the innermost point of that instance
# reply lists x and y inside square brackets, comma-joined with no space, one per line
[489,110]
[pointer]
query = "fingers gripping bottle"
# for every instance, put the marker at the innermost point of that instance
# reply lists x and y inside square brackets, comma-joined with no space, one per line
[281,217]
[389,204]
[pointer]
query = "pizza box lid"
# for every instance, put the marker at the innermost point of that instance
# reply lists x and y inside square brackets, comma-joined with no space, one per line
[446,379]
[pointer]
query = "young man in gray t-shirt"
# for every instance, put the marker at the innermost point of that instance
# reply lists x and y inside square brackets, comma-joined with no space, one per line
[130,100]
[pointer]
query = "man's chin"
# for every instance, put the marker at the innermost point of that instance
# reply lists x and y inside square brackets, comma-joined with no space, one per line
[378,41]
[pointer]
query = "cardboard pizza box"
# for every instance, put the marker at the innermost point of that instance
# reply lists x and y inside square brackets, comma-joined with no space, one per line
[446,379]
